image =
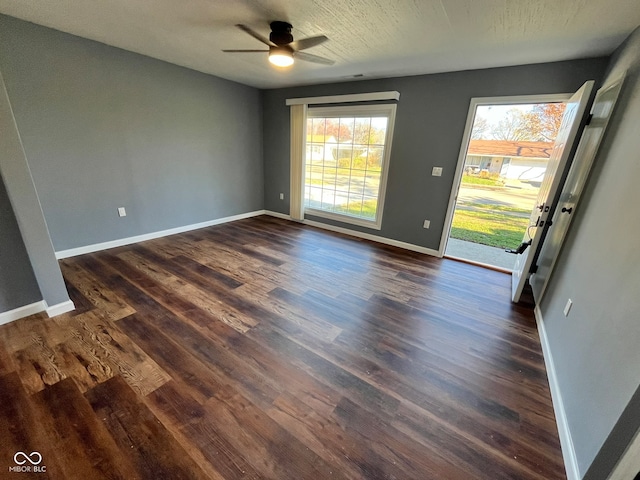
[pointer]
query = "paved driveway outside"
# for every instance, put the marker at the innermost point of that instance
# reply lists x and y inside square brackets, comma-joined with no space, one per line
[518,198]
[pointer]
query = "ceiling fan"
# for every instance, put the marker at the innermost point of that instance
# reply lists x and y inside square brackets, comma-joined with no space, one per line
[282,48]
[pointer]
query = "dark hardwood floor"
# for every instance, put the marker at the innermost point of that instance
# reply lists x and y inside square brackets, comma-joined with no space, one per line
[268,349]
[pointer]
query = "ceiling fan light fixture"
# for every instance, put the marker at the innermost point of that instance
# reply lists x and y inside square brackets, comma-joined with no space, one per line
[280,57]
[282,48]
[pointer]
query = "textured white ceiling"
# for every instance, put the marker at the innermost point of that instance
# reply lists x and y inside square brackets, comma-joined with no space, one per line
[374,38]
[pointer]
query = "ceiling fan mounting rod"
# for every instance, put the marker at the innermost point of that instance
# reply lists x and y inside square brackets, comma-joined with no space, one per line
[281,33]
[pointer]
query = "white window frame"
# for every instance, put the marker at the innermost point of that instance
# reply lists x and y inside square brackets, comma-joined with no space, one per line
[378,110]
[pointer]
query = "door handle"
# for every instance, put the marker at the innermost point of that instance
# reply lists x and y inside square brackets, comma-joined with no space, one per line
[521,248]
[567,210]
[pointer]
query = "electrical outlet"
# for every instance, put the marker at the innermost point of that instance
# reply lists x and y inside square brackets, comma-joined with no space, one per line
[436,171]
[567,307]
[426,224]
[122,212]
[282,196]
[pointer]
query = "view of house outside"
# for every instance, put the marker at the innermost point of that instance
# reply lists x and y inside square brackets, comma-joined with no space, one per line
[506,161]
[343,164]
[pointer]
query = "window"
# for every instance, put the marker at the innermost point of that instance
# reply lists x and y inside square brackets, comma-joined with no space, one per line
[346,162]
[472,164]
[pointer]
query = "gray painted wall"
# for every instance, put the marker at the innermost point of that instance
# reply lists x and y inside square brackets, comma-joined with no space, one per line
[428,132]
[104,128]
[26,206]
[596,348]
[18,286]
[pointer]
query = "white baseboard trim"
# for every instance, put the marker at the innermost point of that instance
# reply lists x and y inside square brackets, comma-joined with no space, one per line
[96,247]
[284,216]
[22,312]
[37,307]
[60,308]
[566,442]
[375,238]
[354,233]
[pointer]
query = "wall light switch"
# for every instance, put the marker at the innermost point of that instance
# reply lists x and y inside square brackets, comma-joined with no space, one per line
[122,212]
[567,307]
[426,224]
[282,196]
[436,171]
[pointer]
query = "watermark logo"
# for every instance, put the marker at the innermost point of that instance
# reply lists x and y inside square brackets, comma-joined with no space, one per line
[21,458]
[28,463]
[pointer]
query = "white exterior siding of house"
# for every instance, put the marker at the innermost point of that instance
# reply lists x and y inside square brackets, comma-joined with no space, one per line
[526,169]
[321,149]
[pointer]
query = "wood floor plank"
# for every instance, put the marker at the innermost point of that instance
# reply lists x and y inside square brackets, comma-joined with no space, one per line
[195,292]
[33,329]
[143,292]
[153,271]
[76,366]
[182,365]
[6,361]
[223,365]
[325,436]
[440,337]
[109,352]
[299,275]
[281,371]
[87,347]
[95,291]
[271,449]
[39,364]
[84,448]
[393,444]
[326,371]
[197,427]
[157,455]
[81,303]
[301,319]
[265,348]
[21,432]
[436,394]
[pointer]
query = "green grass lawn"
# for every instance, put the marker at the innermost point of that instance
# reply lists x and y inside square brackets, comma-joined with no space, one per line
[473,180]
[353,208]
[499,208]
[487,228]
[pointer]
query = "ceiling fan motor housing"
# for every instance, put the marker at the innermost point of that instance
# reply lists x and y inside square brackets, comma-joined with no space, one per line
[281,33]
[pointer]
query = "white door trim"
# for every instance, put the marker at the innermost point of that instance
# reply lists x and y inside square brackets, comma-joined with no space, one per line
[466,137]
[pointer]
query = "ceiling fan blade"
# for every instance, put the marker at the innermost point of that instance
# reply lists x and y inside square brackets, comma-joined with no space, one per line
[308,42]
[307,57]
[256,35]
[245,51]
